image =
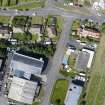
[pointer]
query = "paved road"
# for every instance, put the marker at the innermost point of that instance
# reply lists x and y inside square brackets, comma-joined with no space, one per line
[50,10]
[57,60]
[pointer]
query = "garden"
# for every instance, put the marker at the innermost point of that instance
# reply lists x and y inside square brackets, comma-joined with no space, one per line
[59,92]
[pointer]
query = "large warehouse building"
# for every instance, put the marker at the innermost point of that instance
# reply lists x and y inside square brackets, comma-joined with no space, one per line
[23,69]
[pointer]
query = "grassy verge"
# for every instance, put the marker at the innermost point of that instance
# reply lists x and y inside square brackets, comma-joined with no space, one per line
[12,2]
[5,19]
[96,86]
[30,5]
[59,92]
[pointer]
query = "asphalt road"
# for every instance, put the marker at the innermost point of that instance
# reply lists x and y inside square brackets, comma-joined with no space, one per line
[61,47]
[57,60]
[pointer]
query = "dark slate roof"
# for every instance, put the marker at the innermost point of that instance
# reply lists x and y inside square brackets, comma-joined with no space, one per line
[28,60]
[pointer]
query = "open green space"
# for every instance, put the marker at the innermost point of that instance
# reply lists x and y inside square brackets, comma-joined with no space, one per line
[13,2]
[21,37]
[5,19]
[96,87]
[59,92]
[37,20]
[20,20]
[76,24]
[30,5]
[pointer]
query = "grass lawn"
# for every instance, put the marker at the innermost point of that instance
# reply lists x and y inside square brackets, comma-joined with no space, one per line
[76,24]
[5,19]
[20,20]
[59,22]
[34,37]
[21,37]
[37,20]
[72,60]
[30,5]
[96,86]
[13,2]
[59,92]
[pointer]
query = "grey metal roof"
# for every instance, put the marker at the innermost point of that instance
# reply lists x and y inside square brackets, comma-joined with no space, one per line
[28,60]
[82,60]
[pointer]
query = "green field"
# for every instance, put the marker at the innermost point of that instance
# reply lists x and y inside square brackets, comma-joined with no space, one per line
[59,92]
[5,19]
[13,2]
[30,5]
[96,86]
[37,20]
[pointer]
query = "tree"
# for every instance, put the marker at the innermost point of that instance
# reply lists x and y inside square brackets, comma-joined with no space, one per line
[103,27]
[17,1]
[9,2]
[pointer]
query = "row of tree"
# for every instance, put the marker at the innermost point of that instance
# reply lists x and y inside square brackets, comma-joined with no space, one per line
[8,2]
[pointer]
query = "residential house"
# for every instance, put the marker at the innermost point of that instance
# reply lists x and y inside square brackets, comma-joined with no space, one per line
[52,31]
[87,32]
[36,29]
[5,31]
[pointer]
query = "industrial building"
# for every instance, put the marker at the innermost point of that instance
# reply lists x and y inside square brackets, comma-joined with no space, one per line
[23,86]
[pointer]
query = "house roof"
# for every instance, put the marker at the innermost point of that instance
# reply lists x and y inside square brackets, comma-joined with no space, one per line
[22,90]
[87,32]
[5,29]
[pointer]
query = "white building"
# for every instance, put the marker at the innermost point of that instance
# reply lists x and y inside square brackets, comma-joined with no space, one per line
[22,90]
[24,70]
[90,57]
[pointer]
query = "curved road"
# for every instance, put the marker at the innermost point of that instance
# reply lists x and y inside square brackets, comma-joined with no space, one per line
[64,38]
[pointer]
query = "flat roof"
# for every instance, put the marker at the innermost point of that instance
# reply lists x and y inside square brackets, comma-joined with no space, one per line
[82,60]
[73,94]
[26,64]
[22,90]
[90,58]
[28,60]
